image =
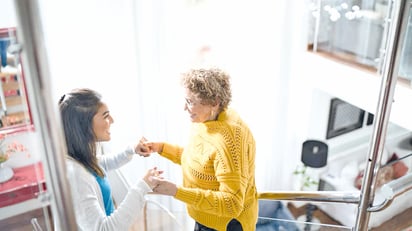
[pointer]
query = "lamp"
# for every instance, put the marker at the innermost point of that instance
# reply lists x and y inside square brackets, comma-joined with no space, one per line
[315,155]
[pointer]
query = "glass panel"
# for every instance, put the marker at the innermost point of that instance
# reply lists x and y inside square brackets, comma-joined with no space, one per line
[405,68]
[273,224]
[29,221]
[350,30]
[345,173]
[353,31]
[294,216]
[159,218]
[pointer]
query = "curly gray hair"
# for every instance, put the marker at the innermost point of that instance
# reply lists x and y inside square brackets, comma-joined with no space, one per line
[209,85]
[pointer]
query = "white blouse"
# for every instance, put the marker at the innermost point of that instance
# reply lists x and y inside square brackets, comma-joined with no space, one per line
[88,201]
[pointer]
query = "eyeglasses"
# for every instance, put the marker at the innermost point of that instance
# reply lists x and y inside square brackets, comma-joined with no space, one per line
[191,103]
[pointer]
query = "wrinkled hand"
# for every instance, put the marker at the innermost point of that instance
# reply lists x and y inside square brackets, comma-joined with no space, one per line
[165,187]
[153,177]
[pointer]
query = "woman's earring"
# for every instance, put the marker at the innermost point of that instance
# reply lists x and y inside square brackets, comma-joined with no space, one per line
[212,114]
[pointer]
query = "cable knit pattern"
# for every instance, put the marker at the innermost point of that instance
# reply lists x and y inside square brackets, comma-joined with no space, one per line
[218,166]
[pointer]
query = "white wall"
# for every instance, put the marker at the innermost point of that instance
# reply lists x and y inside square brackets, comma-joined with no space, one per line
[8,15]
[94,44]
[91,44]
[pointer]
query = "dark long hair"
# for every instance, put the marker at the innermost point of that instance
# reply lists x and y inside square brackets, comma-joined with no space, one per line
[77,110]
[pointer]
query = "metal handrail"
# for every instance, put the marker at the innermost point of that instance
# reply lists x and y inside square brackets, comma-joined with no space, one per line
[352,197]
[390,191]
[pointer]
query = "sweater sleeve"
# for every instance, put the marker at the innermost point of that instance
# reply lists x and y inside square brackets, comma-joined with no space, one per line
[88,202]
[172,152]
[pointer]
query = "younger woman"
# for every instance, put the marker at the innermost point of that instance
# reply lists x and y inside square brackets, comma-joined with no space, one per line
[86,121]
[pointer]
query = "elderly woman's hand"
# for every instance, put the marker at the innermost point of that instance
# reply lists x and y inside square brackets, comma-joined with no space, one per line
[165,187]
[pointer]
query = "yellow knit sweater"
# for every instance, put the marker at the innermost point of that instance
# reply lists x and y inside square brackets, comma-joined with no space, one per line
[218,166]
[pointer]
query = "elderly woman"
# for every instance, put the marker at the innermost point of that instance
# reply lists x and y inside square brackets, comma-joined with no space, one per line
[218,163]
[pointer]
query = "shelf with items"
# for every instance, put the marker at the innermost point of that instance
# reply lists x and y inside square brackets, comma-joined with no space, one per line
[15,113]
[22,50]
[26,183]
[14,110]
[24,191]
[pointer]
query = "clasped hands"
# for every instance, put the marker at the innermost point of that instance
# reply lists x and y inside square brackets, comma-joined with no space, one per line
[145,148]
[158,184]
[154,176]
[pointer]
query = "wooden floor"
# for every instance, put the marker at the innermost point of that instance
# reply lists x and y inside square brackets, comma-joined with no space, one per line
[398,223]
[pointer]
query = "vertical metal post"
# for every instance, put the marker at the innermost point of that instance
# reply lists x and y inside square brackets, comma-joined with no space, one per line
[317,25]
[390,71]
[45,118]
